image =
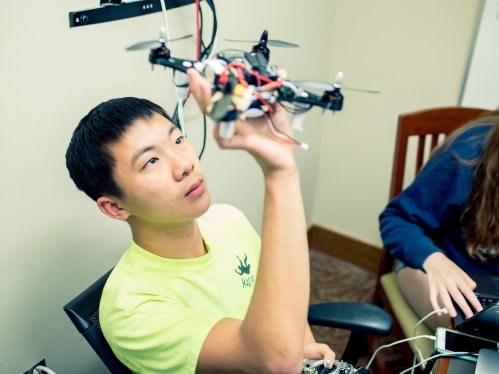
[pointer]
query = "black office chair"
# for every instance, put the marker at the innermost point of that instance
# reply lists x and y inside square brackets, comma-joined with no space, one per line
[361,319]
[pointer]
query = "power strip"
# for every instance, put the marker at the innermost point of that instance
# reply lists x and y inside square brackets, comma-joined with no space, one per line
[117,12]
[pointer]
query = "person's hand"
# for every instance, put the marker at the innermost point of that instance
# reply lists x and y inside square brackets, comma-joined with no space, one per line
[447,279]
[253,135]
[318,351]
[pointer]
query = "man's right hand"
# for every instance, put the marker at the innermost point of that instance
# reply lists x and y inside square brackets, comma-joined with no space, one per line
[449,281]
[274,156]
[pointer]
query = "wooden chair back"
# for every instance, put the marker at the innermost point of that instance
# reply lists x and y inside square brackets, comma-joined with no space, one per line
[426,124]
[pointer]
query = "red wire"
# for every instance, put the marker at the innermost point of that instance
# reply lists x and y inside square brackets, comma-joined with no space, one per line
[241,77]
[285,138]
[263,77]
[198,42]
[264,102]
[257,76]
[236,64]
[269,86]
[258,81]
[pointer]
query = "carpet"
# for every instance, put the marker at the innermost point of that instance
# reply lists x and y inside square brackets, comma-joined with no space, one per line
[331,280]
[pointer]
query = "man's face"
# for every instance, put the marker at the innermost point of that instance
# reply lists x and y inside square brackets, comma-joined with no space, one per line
[159,173]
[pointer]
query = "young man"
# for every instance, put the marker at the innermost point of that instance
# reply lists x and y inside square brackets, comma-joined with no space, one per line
[186,297]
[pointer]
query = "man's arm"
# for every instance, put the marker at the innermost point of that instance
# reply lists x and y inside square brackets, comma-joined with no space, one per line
[271,337]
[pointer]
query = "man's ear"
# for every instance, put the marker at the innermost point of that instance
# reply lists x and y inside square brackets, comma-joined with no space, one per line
[111,207]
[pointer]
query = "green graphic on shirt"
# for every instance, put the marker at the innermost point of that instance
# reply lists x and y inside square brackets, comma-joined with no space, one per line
[244,268]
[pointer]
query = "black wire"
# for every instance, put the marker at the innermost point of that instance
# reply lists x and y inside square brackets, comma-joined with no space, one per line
[202,45]
[280,132]
[214,29]
[293,110]
[207,50]
[204,136]
[429,364]
[176,122]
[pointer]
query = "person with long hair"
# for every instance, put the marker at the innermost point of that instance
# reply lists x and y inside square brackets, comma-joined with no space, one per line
[446,223]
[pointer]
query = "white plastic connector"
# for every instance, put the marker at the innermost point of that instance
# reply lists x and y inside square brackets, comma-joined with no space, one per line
[217,65]
[254,112]
[42,369]
[444,311]
[248,94]
[226,129]
[180,80]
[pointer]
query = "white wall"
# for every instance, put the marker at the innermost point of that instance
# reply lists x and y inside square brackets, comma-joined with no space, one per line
[416,53]
[54,241]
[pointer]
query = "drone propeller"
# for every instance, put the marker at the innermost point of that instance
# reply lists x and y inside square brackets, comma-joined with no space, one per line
[270,42]
[314,85]
[154,44]
[323,86]
[361,90]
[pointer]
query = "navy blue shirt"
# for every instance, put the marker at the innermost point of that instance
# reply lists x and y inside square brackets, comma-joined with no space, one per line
[425,217]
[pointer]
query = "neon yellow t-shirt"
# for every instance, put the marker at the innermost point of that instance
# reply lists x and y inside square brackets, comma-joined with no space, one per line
[156,312]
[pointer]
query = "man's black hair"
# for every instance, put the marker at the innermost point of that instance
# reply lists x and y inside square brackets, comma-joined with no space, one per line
[89,160]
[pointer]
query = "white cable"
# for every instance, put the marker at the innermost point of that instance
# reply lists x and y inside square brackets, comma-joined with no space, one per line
[181,116]
[168,43]
[40,368]
[416,348]
[395,343]
[431,358]
[214,46]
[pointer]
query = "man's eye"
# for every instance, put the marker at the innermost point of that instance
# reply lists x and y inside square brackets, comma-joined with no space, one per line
[151,161]
[179,140]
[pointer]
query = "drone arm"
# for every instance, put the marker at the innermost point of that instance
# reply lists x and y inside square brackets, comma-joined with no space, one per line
[313,100]
[175,64]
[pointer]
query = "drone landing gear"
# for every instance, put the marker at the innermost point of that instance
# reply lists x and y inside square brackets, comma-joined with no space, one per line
[226,129]
[297,121]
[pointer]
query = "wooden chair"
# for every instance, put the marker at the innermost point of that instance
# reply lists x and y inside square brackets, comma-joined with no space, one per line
[432,122]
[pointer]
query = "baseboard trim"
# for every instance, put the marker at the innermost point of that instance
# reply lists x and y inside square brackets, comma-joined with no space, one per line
[345,248]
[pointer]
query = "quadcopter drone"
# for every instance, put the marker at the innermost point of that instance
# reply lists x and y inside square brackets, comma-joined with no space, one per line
[244,85]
